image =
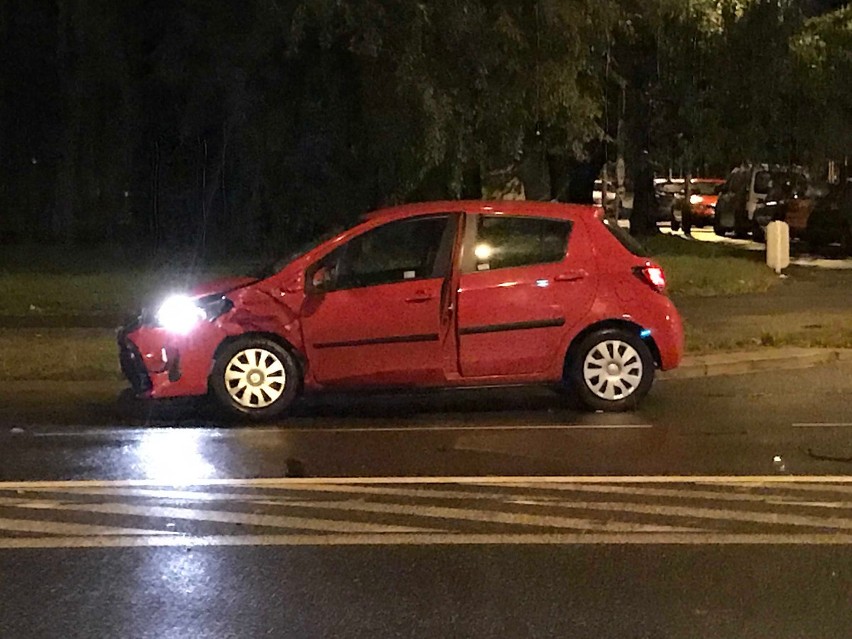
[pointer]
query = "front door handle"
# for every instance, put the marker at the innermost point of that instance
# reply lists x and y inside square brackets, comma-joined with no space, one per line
[572,276]
[419,297]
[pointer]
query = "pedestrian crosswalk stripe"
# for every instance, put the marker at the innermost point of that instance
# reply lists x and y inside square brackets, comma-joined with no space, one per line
[430,539]
[48,527]
[249,519]
[330,512]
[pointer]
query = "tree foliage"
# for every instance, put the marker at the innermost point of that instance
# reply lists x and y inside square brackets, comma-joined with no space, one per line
[212,124]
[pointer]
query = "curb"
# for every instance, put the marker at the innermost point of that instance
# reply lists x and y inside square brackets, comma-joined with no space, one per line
[740,363]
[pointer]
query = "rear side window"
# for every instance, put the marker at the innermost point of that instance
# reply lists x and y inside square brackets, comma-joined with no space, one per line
[505,241]
[762,182]
[625,239]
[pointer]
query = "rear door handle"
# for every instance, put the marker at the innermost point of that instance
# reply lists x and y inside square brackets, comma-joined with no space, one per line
[419,297]
[571,276]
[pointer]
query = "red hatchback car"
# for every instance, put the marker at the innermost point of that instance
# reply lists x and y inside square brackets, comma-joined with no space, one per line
[423,295]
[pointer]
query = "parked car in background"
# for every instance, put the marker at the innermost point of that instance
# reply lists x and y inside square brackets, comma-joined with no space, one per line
[702,200]
[626,199]
[746,191]
[425,295]
[667,191]
[791,199]
[829,226]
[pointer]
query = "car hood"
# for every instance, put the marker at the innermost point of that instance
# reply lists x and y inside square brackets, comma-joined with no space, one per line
[221,285]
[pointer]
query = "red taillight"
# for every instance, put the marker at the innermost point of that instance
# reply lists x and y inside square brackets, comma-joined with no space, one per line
[653,276]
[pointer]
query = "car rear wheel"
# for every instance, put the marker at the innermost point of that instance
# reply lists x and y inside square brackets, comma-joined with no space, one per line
[718,229]
[611,370]
[255,378]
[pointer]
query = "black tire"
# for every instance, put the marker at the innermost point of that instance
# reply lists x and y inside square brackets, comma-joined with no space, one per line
[584,390]
[718,229]
[758,233]
[846,242]
[675,226]
[257,356]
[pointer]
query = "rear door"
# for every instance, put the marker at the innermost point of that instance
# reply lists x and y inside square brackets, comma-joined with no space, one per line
[520,286]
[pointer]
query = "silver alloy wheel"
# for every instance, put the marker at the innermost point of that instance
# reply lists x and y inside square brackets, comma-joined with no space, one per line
[255,378]
[613,370]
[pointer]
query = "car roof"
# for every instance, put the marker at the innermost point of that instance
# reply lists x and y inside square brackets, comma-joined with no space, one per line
[494,207]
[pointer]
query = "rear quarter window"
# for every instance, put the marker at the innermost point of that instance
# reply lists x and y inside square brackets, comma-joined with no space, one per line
[625,239]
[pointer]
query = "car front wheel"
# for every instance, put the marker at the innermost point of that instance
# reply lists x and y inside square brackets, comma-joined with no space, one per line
[255,378]
[611,370]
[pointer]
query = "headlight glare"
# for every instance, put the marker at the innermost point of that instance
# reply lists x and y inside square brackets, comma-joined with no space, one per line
[179,314]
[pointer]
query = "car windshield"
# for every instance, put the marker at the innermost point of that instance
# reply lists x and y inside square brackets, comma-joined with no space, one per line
[272,267]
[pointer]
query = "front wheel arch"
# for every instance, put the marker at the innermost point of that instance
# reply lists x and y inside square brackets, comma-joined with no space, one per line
[234,408]
[273,337]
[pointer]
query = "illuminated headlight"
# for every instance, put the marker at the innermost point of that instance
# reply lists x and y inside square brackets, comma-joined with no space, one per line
[180,313]
[695,199]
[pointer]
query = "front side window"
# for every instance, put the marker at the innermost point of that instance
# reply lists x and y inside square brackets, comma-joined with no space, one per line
[395,252]
[505,241]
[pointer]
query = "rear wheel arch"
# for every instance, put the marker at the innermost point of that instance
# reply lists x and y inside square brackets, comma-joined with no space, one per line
[627,325]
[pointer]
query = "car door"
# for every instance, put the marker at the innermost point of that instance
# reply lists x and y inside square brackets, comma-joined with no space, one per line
[519,289]
[379,317]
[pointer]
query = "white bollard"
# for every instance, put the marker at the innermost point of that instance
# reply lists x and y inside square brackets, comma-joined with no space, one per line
[778,245]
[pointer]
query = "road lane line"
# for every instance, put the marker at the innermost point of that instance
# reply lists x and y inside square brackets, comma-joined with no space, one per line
[408,510]
[245,519]
[432,539]
[823,425]
[69,528]
[716,514]
[513,518]
[687,493]
[285,482]
[842,489]
[220,433]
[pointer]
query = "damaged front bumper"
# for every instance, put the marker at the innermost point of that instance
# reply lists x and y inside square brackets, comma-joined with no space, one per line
[157,363]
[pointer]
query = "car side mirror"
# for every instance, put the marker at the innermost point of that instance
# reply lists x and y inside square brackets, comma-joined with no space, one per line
[320,280]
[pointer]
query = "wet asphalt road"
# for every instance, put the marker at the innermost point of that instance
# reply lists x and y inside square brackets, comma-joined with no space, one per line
[154,527]
[722,425]
[654,592]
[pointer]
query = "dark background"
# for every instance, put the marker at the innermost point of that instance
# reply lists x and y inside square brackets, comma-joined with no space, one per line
[217,127]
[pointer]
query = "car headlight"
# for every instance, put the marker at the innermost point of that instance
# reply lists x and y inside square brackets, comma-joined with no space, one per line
[181,313]
[695,199]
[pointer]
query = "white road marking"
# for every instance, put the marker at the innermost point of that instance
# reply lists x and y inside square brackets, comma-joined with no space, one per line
[285,482]
[221,433]
[227,517]
[689,493]
[433,539]
[823,425]
[416,510]
[717,514]
[466,514]
[69,528]
[843,489]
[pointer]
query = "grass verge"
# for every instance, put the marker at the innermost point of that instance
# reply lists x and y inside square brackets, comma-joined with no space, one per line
[58,354]
[813,329]
[706,269]
[37,282]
